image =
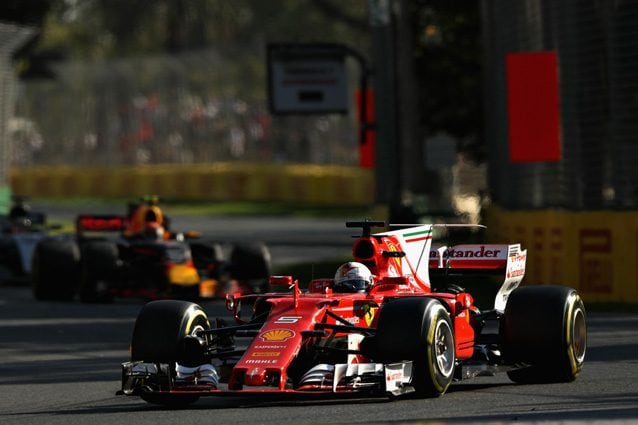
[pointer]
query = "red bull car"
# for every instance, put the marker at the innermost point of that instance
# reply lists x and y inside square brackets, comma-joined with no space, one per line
[403,327]
[137,255]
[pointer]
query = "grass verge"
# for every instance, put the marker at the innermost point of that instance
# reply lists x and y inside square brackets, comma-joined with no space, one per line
[207,208]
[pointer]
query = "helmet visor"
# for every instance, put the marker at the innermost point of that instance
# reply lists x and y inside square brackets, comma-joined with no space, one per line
[352,285]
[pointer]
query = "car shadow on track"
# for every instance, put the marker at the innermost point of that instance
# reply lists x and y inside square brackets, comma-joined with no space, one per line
[132,405]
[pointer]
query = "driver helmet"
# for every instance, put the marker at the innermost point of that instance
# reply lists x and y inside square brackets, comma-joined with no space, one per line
[153,214]
[19,210]
[141,216]
[352,277]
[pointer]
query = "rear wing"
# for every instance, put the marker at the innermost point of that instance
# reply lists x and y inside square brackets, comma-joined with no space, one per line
[470,259]
[100,223]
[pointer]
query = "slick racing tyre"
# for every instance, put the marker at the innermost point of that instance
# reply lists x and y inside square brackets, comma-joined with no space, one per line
[544,327]
[54,270]
[10,259]
[160,329]
[251,263]
[97,268]
[158,335]
[418,329]
[207,258]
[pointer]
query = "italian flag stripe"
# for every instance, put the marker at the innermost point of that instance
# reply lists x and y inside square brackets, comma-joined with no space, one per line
[418,236]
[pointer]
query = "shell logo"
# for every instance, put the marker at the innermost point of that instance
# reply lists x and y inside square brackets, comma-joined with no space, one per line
[277,335]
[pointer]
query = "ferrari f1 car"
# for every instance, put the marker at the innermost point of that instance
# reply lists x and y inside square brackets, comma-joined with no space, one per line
[411,331]
[136,255]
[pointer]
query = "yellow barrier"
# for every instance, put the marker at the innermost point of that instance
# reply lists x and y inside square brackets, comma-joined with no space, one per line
[225,181]
[595,252]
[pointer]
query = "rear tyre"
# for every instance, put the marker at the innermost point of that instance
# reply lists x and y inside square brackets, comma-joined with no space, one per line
[544,327]
[54,270]
[10,260]
[418,329]
[97,269]
[207,258]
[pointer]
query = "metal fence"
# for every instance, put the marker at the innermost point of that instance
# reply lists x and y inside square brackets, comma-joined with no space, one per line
[190,108]
[597,48]
[12,37]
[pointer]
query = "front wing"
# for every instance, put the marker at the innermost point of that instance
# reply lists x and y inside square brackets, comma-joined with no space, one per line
[373,379]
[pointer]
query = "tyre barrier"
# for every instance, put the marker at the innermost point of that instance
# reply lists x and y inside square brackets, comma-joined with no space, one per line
[595,252]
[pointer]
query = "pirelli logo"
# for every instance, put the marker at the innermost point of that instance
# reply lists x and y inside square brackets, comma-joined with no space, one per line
[265,354]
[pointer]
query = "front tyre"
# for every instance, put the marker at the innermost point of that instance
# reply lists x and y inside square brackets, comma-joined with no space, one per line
[207,258]
[160,328]
[251,265]
[158,335]
[419,329]
[545,327]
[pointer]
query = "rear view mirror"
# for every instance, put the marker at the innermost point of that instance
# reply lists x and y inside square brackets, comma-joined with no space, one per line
[280,281]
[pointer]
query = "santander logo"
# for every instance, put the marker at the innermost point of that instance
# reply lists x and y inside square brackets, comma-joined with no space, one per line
[481,251]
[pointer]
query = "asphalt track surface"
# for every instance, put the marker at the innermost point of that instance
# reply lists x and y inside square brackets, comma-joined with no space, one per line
[60,364]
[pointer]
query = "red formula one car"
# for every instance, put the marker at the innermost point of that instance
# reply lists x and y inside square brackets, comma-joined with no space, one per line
[391,322]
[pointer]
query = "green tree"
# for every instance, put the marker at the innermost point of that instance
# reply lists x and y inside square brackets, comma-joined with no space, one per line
[447,60]
[32,13]
[116,28]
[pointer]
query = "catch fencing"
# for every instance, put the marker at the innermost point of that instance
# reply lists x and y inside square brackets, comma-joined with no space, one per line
[578,217]
[596,43]
[189,108]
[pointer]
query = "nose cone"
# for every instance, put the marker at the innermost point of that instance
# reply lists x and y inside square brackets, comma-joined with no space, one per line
[255,377]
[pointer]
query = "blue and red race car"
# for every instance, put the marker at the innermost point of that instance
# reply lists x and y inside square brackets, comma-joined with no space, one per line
[20,231]
[391,322]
